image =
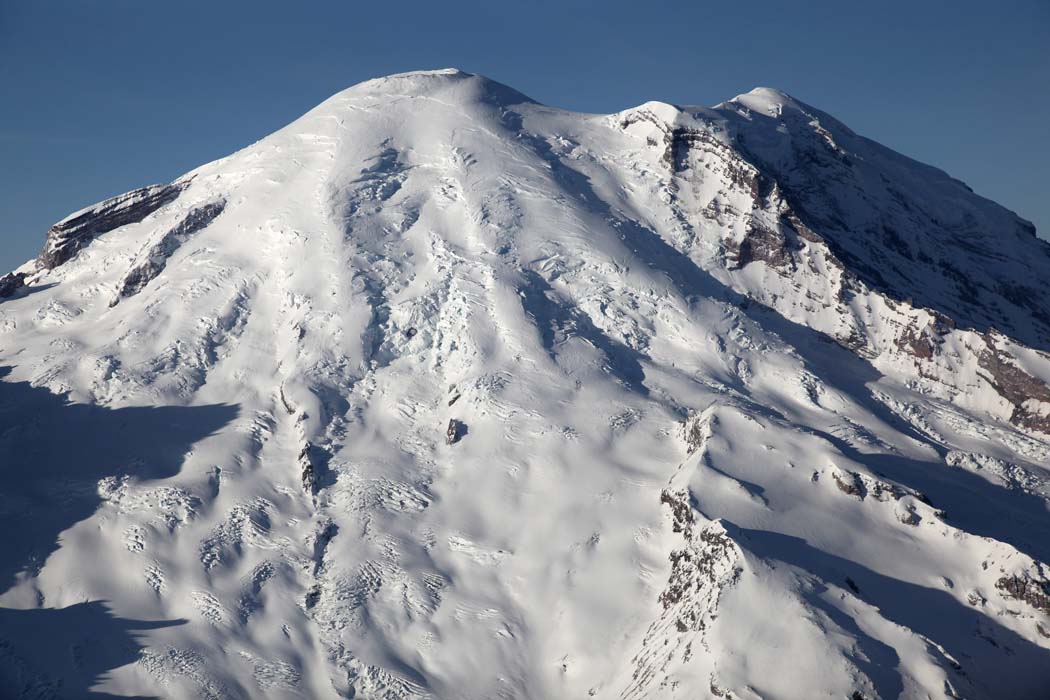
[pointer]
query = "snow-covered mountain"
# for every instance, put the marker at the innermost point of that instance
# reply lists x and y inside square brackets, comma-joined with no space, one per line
[442,393]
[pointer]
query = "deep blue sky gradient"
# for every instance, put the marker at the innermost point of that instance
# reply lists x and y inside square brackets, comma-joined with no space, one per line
[100,96]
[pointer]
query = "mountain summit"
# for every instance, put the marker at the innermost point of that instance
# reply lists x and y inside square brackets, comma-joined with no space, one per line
[439,392]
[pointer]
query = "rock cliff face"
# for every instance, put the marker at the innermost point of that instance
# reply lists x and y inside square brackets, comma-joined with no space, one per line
[66,238]
[442,393]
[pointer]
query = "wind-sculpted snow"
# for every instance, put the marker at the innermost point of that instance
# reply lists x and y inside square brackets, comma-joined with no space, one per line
[441,393]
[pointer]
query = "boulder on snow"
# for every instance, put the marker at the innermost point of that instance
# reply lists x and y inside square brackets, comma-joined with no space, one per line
[455,431]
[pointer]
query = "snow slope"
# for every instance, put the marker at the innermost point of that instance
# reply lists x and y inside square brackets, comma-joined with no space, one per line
[439,392]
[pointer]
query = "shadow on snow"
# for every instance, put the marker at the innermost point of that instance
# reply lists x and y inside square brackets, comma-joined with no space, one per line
[987,652]
[52,455]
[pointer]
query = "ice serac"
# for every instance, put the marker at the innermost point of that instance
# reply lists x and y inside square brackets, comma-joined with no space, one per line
[444,393]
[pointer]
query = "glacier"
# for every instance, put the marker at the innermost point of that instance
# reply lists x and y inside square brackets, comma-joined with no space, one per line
[439,392]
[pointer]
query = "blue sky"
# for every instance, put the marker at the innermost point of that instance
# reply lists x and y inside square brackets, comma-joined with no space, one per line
[101,96]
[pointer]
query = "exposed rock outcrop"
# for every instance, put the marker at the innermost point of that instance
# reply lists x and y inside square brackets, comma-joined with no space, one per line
[455,431]
[157,256]
[1035,592]
[66,238]
[1030,396]
[707,563]
[11,283]
[308,472]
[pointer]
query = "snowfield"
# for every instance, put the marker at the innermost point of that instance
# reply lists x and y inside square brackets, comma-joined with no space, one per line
[439,392]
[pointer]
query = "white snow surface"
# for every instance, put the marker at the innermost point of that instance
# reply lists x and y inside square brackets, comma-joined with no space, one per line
[677,476]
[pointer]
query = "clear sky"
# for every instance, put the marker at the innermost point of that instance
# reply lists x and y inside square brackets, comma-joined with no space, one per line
[100,96]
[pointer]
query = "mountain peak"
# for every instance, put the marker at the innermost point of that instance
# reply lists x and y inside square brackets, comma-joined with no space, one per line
[767,100]
[437,393]
[770,93]
[451,84]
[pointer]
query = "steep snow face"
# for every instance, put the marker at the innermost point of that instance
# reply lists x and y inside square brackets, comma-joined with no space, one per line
[441,393]
[907,229]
